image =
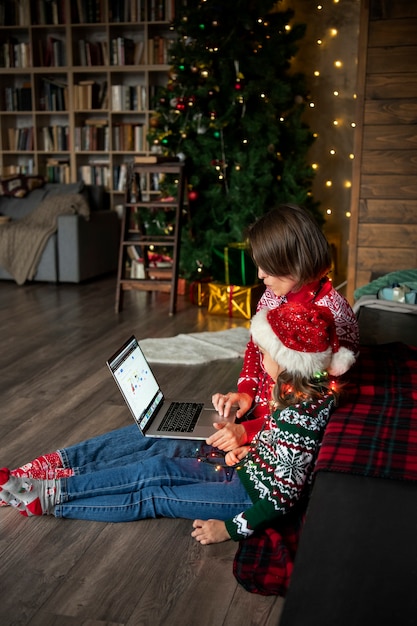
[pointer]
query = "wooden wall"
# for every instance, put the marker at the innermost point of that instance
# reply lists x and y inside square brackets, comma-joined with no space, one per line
[383,229]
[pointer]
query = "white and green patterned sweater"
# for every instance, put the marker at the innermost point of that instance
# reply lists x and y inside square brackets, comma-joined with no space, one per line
[280,463]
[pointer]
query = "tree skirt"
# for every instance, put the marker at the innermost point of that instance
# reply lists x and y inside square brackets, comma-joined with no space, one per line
[195,348]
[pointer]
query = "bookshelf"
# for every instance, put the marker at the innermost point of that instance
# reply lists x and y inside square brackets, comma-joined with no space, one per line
[77,83]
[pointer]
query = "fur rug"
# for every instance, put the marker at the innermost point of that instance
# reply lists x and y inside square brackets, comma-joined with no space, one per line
[196,348]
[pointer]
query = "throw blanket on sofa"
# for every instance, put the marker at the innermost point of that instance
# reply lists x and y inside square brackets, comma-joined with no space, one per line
[374,431]
[22,242]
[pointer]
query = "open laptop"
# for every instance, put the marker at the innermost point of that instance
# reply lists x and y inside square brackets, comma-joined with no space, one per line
[146,401]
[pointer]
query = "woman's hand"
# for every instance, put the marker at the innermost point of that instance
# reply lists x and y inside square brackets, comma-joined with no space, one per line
[223,403]
[209,531]
[234,456]
[228,436]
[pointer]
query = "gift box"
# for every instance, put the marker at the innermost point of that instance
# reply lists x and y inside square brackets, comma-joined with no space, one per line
[199,292]
[233,265]
[234,300]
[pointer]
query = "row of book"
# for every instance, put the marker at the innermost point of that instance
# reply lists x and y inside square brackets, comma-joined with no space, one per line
[52,52]
[15,13]
[89,95]
[53,95]
[58,170]
[124,51]
[14,53]
[141,10]
[26,12]
[94,135]
[18,98]
[95,174]
[26,168]
[129,137]
[55,138]
[92,53]
[20,138]
[128,98]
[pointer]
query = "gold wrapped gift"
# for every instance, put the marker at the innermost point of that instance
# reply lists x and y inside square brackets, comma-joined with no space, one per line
[233,300]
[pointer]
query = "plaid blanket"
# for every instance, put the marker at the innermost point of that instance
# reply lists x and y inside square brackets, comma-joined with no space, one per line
[264,562]
[373,432]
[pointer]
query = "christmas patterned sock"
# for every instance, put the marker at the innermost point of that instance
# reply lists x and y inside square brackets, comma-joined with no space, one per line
[39,497]
[42,467]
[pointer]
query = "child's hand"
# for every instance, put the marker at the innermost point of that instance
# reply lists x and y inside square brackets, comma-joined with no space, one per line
[234,456]
[228,436]
[209,531]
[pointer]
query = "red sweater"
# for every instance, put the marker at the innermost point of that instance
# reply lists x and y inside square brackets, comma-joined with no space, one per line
[254,381]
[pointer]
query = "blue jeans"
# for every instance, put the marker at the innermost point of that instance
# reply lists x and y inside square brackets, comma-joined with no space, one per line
[122,476]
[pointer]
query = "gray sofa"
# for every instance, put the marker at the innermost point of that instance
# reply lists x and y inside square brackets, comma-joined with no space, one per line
[80,249]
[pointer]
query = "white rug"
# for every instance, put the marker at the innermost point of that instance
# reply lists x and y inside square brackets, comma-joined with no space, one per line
[195,348]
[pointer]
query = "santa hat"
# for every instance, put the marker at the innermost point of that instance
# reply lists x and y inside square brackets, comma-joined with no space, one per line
[302,339]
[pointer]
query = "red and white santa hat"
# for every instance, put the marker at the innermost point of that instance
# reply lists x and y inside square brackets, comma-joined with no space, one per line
[302,339]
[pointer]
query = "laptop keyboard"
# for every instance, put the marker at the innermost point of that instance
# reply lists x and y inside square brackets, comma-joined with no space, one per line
[181,417]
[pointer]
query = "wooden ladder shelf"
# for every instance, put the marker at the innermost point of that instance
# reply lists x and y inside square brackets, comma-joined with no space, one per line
[138,243]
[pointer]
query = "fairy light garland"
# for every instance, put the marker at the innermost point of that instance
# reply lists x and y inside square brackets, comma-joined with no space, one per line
[328,54]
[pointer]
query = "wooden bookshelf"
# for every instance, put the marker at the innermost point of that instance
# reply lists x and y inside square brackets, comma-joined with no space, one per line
[77,79]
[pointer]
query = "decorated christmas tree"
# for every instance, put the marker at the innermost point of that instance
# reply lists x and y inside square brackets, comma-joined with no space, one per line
[232,108]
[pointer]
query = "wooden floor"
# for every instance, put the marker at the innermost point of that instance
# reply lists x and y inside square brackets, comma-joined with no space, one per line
[55,391]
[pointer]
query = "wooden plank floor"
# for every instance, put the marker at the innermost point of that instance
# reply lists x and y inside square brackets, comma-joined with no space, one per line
[55,391]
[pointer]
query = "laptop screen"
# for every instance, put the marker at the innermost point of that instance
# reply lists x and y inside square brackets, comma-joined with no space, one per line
[136,381]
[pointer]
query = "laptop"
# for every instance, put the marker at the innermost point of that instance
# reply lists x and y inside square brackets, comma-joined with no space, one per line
[153,413]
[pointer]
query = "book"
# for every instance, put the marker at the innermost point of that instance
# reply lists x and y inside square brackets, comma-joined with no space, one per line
[155,158]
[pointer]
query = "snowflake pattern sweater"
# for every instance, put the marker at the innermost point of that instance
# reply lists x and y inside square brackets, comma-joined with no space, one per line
[279,466]
[254,381]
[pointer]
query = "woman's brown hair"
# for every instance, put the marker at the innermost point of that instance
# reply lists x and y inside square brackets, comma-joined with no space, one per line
[287,241]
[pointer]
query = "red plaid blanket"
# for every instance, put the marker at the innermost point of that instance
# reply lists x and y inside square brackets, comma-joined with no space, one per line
[373,432]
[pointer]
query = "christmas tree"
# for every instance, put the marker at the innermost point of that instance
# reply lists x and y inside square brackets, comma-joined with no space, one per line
[232,108]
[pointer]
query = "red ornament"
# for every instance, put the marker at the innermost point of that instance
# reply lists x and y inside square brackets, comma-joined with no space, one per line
[192,195]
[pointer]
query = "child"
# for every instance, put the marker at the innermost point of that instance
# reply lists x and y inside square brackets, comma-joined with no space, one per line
[231,499]
[293,258]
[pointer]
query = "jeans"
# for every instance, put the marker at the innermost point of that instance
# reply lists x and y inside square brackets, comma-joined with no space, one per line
[122,476]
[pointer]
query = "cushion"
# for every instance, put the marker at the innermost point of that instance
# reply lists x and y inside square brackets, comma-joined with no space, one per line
[19,186]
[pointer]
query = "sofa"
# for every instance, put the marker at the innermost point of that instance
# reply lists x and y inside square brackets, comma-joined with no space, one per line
[79,245]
